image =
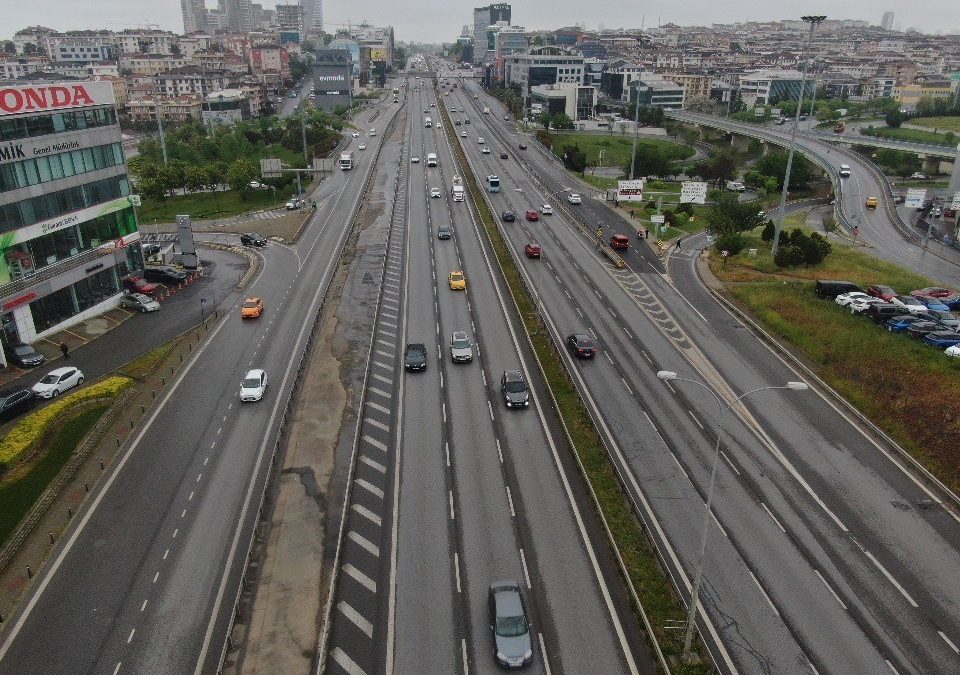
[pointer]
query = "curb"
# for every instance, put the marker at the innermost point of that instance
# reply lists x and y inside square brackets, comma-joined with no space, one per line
[825,389]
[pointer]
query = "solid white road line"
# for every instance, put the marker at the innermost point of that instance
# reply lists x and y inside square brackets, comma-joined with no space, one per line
[948,641]
[830,588]
[456,570]
[526,572]
[890,578]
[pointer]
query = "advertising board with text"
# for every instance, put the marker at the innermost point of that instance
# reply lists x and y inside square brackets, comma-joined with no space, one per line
[630,190]
[693,192]
[915,198]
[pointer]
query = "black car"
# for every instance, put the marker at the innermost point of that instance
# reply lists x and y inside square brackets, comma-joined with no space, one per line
[516,394]
[503,155]
[253,239]
[880,312]
[415,357]
[15,402]
[24,356]
[826,288]
[581,345]
[523,146]
[466,121]
[164,275]
[444,232]
[508,216]
[922,328]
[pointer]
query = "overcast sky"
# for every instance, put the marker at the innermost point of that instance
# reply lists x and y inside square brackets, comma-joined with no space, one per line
[442,20]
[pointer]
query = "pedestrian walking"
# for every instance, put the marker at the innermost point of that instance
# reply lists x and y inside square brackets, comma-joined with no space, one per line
[679,241]
[65,349]
[646,233]
[631,214]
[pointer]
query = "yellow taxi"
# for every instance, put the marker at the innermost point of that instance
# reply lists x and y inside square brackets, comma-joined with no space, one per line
[251,308]
[871,202]
[458,282]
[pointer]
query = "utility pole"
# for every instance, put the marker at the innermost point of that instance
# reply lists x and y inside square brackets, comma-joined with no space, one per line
[813,21]
[303,130]
[636,131]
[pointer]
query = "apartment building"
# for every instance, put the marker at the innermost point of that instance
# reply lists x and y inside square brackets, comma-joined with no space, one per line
[69,231]
[544,65]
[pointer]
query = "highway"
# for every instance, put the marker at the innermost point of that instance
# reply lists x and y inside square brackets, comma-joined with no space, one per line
[482,494]
[146,579]
[806,499]
[879,228]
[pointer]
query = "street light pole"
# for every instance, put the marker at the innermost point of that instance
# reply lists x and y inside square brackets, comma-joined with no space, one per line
[813,21]
[636,131]
[668,375]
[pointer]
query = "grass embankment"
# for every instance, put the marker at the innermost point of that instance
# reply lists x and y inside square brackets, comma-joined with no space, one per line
[141,367]
[18,494]
[908,389]
[208,205]
[938,123]
[912,135]
[649,580]
[616,149]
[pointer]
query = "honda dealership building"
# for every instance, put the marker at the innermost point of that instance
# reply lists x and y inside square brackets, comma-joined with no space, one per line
[68,232]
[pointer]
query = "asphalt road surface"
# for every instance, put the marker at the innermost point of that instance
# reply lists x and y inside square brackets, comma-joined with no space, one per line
[824,552]
[146,579]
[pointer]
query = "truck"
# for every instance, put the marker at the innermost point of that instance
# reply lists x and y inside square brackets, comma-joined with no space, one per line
[457,189]
[346,160]
[431,159]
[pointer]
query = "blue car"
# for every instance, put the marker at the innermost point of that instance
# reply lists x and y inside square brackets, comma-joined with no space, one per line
[949,321]
[942,338]
[932,303]
[900,322]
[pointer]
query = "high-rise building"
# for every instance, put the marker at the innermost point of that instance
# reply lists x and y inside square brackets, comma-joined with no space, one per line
[69,233]
[290,17]
[194,15]
[312,17]
[239,15]
[886,22]
[484,17]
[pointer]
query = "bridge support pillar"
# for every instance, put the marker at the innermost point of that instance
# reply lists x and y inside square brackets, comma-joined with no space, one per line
[739,143]
[954,185]
[931,164]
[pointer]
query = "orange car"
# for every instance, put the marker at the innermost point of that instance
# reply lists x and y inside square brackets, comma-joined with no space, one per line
[252,308]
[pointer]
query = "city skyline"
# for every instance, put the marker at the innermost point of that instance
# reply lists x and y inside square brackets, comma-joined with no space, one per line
[937,16]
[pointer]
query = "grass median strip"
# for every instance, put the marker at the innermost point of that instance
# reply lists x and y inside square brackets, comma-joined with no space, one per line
[647,577]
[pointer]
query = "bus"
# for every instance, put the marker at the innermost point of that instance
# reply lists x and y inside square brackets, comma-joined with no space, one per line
[493,183]
[346,160]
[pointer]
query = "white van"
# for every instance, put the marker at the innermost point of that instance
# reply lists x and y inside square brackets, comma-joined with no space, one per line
[844,170]
[428,123]
[736,186]
[431,159]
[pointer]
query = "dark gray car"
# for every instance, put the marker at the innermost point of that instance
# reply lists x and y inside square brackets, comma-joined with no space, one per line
[516,394]
[444,232]
[24,356]
[509,624]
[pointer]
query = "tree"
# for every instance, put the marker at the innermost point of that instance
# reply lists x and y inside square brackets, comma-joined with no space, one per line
[562,121]
[774,164]
[308,46]
[720,167]
[769,231]
[574,159]
[895,118]
[731,242]
[31,49]
[649,161]
[241,172]
[728,214]
[9,47]
[196,178]
[788,256]
[545,118]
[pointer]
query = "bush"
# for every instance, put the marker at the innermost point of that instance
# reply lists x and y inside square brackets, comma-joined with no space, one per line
[574,159]
[652,205]
[684,208]
[788,256]
[732,242]
[769,230]
[815,249]
[545,138]
[30,430]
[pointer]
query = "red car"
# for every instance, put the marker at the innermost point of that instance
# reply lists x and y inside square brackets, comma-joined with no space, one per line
[934,292]
[885,293]
[533,215]
[138,285]
[620,242]
[532,250]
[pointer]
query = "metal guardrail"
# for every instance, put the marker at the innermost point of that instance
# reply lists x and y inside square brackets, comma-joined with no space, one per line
[944,151]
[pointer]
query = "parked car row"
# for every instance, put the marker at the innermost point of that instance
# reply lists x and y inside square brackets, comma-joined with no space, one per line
[16,401]
[925,313]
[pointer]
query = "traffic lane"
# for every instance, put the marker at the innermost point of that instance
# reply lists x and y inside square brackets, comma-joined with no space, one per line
[614,378]
[585,637]
[115,536]
[426,635]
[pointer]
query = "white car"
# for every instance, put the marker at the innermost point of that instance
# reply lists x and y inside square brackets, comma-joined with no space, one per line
[845,299]
[257,185]
[253,386]
[373,132]
[918,176]
[362,146]
[861,305]
[58,381]
[485,150]
[953,351]
[463,134]
[480,140]
[435,193]
[355,134]
[414,160]
[294,204]
[910,304]
[574,198]
[546,210]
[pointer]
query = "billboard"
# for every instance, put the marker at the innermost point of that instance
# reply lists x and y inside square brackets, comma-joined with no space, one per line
[915,198]
[955,204]
[44,97]
[693,192]
[630,190]
[378,54]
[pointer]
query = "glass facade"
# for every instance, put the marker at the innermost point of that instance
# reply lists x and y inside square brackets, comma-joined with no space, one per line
[53,167]
[45,207]
[56,123]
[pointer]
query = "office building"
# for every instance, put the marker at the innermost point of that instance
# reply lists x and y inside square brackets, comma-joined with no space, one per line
[657,93]
[69,232]
[768,87]
[576,101]
[543,65]
[484,17]
[312,17]
[194,15]
[290,18]
[886,22]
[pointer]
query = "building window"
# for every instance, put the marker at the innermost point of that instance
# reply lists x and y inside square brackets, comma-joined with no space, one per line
[51,205]
[53,167]
[70,301]
[42,125]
